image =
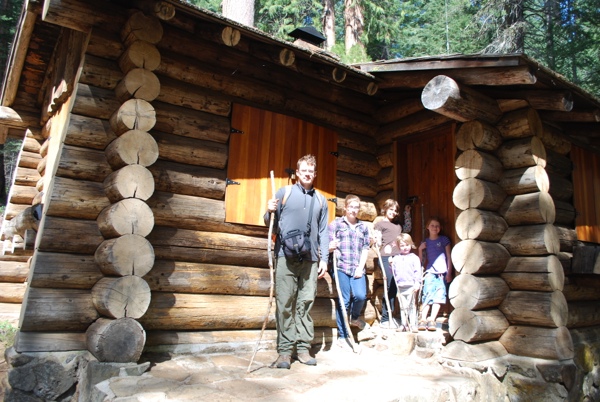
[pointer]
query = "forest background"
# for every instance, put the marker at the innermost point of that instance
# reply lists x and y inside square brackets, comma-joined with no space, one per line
[563,35]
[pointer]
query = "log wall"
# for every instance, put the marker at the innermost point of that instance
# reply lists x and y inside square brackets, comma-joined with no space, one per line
[112,237]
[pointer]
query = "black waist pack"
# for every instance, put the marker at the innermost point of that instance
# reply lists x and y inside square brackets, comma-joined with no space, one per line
[296,245]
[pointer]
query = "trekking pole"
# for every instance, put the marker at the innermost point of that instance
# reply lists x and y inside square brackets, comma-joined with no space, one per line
[385,287]
[271,273]
[342,304]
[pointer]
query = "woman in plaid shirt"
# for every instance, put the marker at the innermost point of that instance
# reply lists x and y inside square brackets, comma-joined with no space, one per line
[349,240]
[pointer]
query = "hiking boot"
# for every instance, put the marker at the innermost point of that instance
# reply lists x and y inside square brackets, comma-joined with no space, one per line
[306,358]
[283,362]
[359,323]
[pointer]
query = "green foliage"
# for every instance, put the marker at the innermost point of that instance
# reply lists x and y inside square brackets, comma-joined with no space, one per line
[7,333]
[356,54]
[279,18]
[9,17]
[211,5]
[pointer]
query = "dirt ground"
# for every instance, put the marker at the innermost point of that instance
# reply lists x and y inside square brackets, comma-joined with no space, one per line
[3,372]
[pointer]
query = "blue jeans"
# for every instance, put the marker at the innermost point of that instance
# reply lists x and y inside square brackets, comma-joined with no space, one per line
[391,287]
[354,293]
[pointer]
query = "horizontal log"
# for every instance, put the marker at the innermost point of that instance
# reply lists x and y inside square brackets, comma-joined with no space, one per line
[132,181]
[89,132]
[354,184]
[476,193]
[567,238]
[76,199]
[586,259]
[70,235]
[565,213]
[116,341]
[398,110]
[565,260]
[82,16]
[478,257]
[415,123]
[134,114]
[195,312]
[132,147]
[191,151]
[475,326]
[22,194]
[385,178]
[192,123]
[139,54]
[12,292]
[531,240]
[29,159]
[49,341]
[528,209]
[18,119]
[202,278]
[355,162]
[200,246]
[14,271]
[447,97]
[542,343]
[523,152]
[553,138]
[185,179]
[138,83]
[26,177]
[476,134]
[544,274]
[119,297]
[520,123]
[525,180]
[481,225]
[63,270]
[473,292]
[58,310]
[561,188]
[95,102]
[480,165]
[125,255]
[545,309]
[459,350]
[583,314]
[557,164]
[581,290]
[83,163]
[128,216]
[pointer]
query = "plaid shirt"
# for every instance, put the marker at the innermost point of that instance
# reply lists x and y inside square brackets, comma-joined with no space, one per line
[352,243]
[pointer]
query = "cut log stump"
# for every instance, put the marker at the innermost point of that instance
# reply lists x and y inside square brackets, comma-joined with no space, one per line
[116,341]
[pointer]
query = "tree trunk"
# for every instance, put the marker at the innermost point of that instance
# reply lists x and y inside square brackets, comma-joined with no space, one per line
[353,24]
[240,11]
[329,23]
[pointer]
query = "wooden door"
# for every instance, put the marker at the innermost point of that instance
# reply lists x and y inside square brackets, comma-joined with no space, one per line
[426,171]
[273,142]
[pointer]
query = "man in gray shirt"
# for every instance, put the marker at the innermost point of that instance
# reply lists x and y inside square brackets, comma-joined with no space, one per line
[296,278]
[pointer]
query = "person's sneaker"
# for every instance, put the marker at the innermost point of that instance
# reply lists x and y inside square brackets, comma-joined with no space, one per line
[388,324]
[414,329]
[283,362]
[431,326]
[359,323]
[306,358]
[422,326]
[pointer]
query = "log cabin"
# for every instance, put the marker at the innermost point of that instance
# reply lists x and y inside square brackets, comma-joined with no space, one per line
[149,130]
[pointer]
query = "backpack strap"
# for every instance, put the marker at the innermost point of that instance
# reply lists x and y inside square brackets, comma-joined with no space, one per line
[288,191]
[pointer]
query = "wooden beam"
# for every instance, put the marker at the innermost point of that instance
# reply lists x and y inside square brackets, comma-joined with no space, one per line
[17,58]
[83,15]
[555,100]
[17,119]
[573,116]
[496,76]
[445,96]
